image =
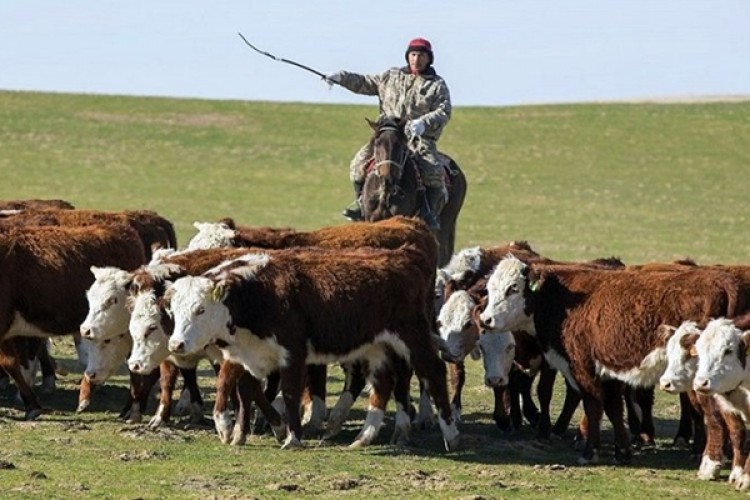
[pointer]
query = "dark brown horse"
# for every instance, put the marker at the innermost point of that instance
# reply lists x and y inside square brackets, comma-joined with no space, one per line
[392,187]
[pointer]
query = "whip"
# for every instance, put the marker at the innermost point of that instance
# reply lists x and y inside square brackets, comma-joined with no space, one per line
[288,61]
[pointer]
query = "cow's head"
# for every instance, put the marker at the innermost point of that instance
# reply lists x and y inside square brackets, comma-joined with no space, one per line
[498,352]
[106,356]
[108,315]
[457,327]
[147,329]
[682,361]
[722,355]
[506,297]
[211,235]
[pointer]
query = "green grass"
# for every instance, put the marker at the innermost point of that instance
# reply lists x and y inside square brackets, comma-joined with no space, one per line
[645,182]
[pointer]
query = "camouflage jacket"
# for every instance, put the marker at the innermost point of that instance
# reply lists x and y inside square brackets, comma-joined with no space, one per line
[403,95]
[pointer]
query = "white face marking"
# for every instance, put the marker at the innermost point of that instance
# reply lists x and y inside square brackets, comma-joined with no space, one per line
[498,351]
[211,235]
[106,356]
[681,365]
[150,341]
[200,317]
[456,325]
[719,367]
[108,315]
[505,300]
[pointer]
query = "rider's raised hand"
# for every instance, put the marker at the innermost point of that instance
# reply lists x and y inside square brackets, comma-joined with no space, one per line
[416,127]
[336,77]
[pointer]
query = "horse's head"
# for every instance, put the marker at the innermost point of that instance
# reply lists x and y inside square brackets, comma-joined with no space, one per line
[389,146]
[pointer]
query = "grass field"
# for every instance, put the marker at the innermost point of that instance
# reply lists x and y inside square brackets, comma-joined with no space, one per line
[644,182]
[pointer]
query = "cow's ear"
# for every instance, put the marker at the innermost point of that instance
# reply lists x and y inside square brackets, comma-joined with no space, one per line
[688,343]
[664,333]
[96,271]
[745,338]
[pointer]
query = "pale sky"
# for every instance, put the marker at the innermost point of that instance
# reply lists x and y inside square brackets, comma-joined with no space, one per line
[490,52]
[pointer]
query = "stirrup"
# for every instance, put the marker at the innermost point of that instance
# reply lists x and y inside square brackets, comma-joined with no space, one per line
[354,215]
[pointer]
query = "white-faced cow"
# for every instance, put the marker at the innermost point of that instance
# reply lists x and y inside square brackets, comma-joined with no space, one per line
[600,327]
[281,312]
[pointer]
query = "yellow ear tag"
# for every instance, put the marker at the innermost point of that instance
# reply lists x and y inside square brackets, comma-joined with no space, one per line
[693,351]
[217,292]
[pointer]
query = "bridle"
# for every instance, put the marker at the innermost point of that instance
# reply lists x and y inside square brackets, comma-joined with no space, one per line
[404,152]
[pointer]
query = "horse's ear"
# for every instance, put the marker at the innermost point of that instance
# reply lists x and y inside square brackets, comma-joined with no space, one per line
[373,125]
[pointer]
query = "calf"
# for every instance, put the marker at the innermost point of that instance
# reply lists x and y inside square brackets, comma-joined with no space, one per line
[599,327]
[678,378]
[150,330]
[723,371]
[283,311]
[44,274]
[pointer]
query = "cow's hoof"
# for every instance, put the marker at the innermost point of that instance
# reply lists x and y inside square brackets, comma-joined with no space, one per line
[155,422]
[223,424]
[292,443]
[709,469]
[743,482]
[83,405]
[735,475]
[279,431]
[33,414]
[239,437]
[623,457]
[589,460]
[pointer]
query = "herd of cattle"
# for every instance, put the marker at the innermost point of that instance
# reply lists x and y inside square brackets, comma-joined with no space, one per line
[270,308]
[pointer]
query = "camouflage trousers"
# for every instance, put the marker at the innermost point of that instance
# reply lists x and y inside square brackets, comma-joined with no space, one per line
[429,159]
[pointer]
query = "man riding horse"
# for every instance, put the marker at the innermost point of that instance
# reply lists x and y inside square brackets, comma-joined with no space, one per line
[417,94]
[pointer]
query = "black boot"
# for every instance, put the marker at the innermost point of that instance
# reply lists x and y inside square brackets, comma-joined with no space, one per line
[433,203]
[354,210]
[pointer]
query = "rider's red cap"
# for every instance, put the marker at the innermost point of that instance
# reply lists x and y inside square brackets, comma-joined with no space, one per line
[420,45]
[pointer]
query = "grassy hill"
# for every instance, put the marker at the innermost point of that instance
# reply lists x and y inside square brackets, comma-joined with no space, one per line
[645,182]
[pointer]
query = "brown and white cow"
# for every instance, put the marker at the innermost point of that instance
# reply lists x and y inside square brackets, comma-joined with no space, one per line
[280,312]
[678,378]
[723,371]
[390,233]
[150,328]
[44,274]
[598,327]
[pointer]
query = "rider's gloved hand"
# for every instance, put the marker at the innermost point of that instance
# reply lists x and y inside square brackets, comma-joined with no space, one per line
[334,78]
[416,127]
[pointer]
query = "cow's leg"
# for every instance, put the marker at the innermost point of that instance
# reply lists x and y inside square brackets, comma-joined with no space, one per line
[713,455]
[457,377]
[48,366]
[647,431]
[570,404]
[529,409]
[740,474]
[226,382]
[544,389]
[140,391]
[592,407]
[272,394]
[292,384]
[404,410]
[315,402]
[500,411]
[9,361]
[249,389]
[513,398]
[167,380]
[425,418]
[685,427]
[354,384]
[614,408]
[431,370]
[382,382]
[85,391]
[190,379]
